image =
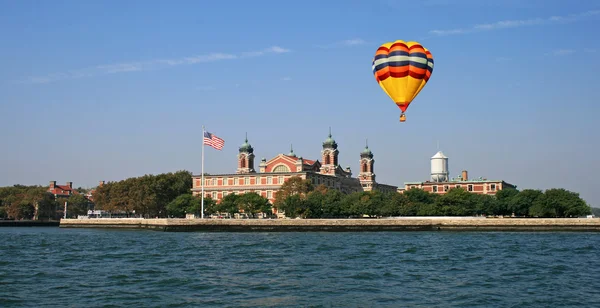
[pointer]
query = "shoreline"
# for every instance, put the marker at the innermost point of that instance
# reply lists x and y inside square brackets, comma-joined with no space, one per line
[340,225]
[29,223]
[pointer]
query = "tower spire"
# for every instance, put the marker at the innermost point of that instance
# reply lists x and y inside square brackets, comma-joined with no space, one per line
[329,131]
[246,136]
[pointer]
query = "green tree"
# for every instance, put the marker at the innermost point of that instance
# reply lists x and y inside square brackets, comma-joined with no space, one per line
[456,202]
[294,206]
[485,204]
[181,205]
[77,205]
[504,198]
[252,203]
[523,201]
[293,186]
[418,195]
[559,202]
[229,204]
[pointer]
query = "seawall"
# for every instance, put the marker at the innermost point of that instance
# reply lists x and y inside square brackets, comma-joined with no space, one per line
[339,225]
[29,223]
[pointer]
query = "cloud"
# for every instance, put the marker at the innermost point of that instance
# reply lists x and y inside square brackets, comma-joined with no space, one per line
[287,78]
[148,65]
[516,23]
[205,88]
[562,52]
[349,42]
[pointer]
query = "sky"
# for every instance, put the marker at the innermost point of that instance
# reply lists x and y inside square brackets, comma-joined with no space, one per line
[107,90]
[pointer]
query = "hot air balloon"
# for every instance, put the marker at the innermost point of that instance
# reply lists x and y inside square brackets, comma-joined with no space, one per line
[402,69]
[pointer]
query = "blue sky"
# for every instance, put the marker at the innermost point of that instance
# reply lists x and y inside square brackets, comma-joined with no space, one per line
[108,90]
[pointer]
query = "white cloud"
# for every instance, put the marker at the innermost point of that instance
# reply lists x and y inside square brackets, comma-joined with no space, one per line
[205,88]
[516,23]
[562,52]
[342,43]
[352,42]
[149,65]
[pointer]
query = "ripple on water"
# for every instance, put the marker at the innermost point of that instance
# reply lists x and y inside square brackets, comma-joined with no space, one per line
[100,268]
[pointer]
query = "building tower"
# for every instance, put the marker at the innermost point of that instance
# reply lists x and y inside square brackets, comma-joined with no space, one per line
[246,158]
[439,167]
[366,174]
[329,154]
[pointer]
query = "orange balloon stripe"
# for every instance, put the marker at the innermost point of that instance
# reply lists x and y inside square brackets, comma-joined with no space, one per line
[417,70]
[399,69]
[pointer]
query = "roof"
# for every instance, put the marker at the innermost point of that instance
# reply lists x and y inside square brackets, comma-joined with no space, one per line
[474,181]
[439,154]
[62,190]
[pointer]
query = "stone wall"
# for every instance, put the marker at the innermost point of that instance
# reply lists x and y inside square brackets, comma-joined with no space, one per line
[387,224]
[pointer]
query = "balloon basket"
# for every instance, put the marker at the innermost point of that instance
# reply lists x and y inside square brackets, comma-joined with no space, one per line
[402,117]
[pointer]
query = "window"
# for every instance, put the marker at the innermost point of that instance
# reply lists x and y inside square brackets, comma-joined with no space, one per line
[364,168]
[435,188]
[224,194]
[458,186]
[269,194]
[327,160]
[446,187]
[214,195]
[493,187]
[269,180]
[280,180]
[214,182]
[246,181]
[281,168]
[243,163]
[225,181]
[470,187]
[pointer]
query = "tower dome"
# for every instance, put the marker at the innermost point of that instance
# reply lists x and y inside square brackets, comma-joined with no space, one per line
[246,147]
[366,153]
[292,154]
[439,167]
[329,142]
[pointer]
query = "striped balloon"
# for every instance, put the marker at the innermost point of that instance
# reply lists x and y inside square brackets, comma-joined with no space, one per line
[402,69]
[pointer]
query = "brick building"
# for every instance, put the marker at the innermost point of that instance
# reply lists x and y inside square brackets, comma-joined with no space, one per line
[61,191]
[274,172]
[440,181]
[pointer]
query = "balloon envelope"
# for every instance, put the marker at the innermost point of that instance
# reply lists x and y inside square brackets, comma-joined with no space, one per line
[402,69]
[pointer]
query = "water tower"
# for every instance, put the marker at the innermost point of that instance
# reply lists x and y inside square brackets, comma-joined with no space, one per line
[439,167]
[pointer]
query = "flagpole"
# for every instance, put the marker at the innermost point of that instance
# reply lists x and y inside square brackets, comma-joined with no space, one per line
[202,202]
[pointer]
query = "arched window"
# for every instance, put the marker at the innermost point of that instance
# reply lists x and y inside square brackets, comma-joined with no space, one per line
[243,163]
[281,168]
[364,168]
[327,160]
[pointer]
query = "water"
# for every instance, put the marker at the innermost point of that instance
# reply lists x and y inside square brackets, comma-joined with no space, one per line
[47,267]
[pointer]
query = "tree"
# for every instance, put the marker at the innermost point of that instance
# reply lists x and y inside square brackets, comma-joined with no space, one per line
[77,205]
[521,203]
[253,203]
[418,195]
[504,198]
[229,204]
[293,186]
[559,202]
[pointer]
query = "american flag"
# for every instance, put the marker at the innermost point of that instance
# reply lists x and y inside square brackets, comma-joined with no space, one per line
[213,141]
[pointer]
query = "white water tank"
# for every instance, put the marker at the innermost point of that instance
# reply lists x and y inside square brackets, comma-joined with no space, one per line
[439,167]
